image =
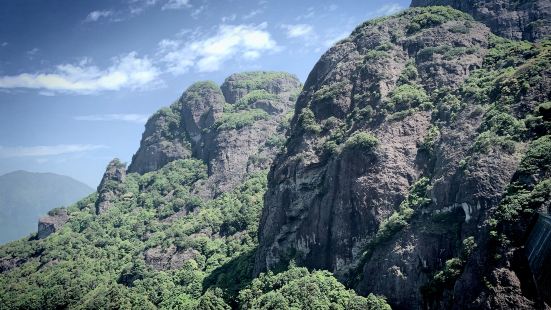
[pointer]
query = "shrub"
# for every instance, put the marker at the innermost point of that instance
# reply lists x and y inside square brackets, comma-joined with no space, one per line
[503,124]
[297,288]
[409,73]
[257,79]
[329,91]
[488,140]
[434,16]
[240,119]
[254,96]
[361,141]
[308,121]
[407,96]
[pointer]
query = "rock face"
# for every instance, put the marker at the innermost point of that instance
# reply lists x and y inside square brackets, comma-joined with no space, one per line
[234,128]
[392,164]
[109,188]
[519,20]
[49,224]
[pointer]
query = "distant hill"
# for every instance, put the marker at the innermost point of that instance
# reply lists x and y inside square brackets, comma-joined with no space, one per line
[25,196]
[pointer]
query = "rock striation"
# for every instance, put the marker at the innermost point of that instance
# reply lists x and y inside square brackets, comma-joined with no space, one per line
[235,128]
[394,173]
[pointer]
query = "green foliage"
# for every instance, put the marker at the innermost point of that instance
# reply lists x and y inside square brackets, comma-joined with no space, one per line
[407,96]
[330,91]
[537,156]
[453,267]
[430,139]
[434,16]
[361,141]
[307,119]
[459,28]
[488,140]
[240,119]
[167,121]
[257,79]
[409,74]
[503,124]
[212,300]
[297,288]
[254,96]
[96,261]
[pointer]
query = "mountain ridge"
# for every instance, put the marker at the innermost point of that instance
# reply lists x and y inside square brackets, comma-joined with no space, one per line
[411,171]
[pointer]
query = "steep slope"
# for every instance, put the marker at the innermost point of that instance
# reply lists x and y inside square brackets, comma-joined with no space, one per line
[25,196]
[405,171]
[234,128]
[519,20]
[158,239]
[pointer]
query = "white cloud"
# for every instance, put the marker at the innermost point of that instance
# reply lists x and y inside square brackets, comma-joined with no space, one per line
[94,16]
[176,5]
[298,30]
[4,44]
[127,71]
[195,13]
[310,13]
[32,53]
[46,150]
[252,14]
[389,9]
[132,118]
[229,18]
[206,55]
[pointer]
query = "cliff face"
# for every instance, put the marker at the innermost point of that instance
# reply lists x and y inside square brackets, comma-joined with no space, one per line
[235,129]
[405,139]
[527,20]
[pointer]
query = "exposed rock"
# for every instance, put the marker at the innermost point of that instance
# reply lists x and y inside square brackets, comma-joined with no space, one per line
[519,20]
[168,259]
[162,142]
[337,202]
[51,223]
[197,126]
[109,187]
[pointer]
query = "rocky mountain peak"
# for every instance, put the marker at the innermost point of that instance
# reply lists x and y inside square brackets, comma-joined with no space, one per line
[109,187]
[396,161]
[518,20]
[210,122]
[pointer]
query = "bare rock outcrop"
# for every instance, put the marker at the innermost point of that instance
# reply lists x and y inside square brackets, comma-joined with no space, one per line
[52,222]
[236,129]
[395,163]
[519,20]
[110,186]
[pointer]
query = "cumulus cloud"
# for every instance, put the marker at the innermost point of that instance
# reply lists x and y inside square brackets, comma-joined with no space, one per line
[94,16]
[131,118]
[208,54]
[46,150]
[389,9]
[298,30]
[176,5]
[128,71]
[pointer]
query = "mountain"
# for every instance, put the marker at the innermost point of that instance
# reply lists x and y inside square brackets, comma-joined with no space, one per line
[418,157]
[407,172]
[25,196]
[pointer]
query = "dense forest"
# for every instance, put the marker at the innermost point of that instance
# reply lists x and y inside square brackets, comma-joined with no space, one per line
[407,171]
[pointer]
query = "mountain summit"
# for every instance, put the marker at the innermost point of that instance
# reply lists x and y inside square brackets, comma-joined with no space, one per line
[410,175]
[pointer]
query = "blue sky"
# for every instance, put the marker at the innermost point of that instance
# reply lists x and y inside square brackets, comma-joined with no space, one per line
[78,79]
